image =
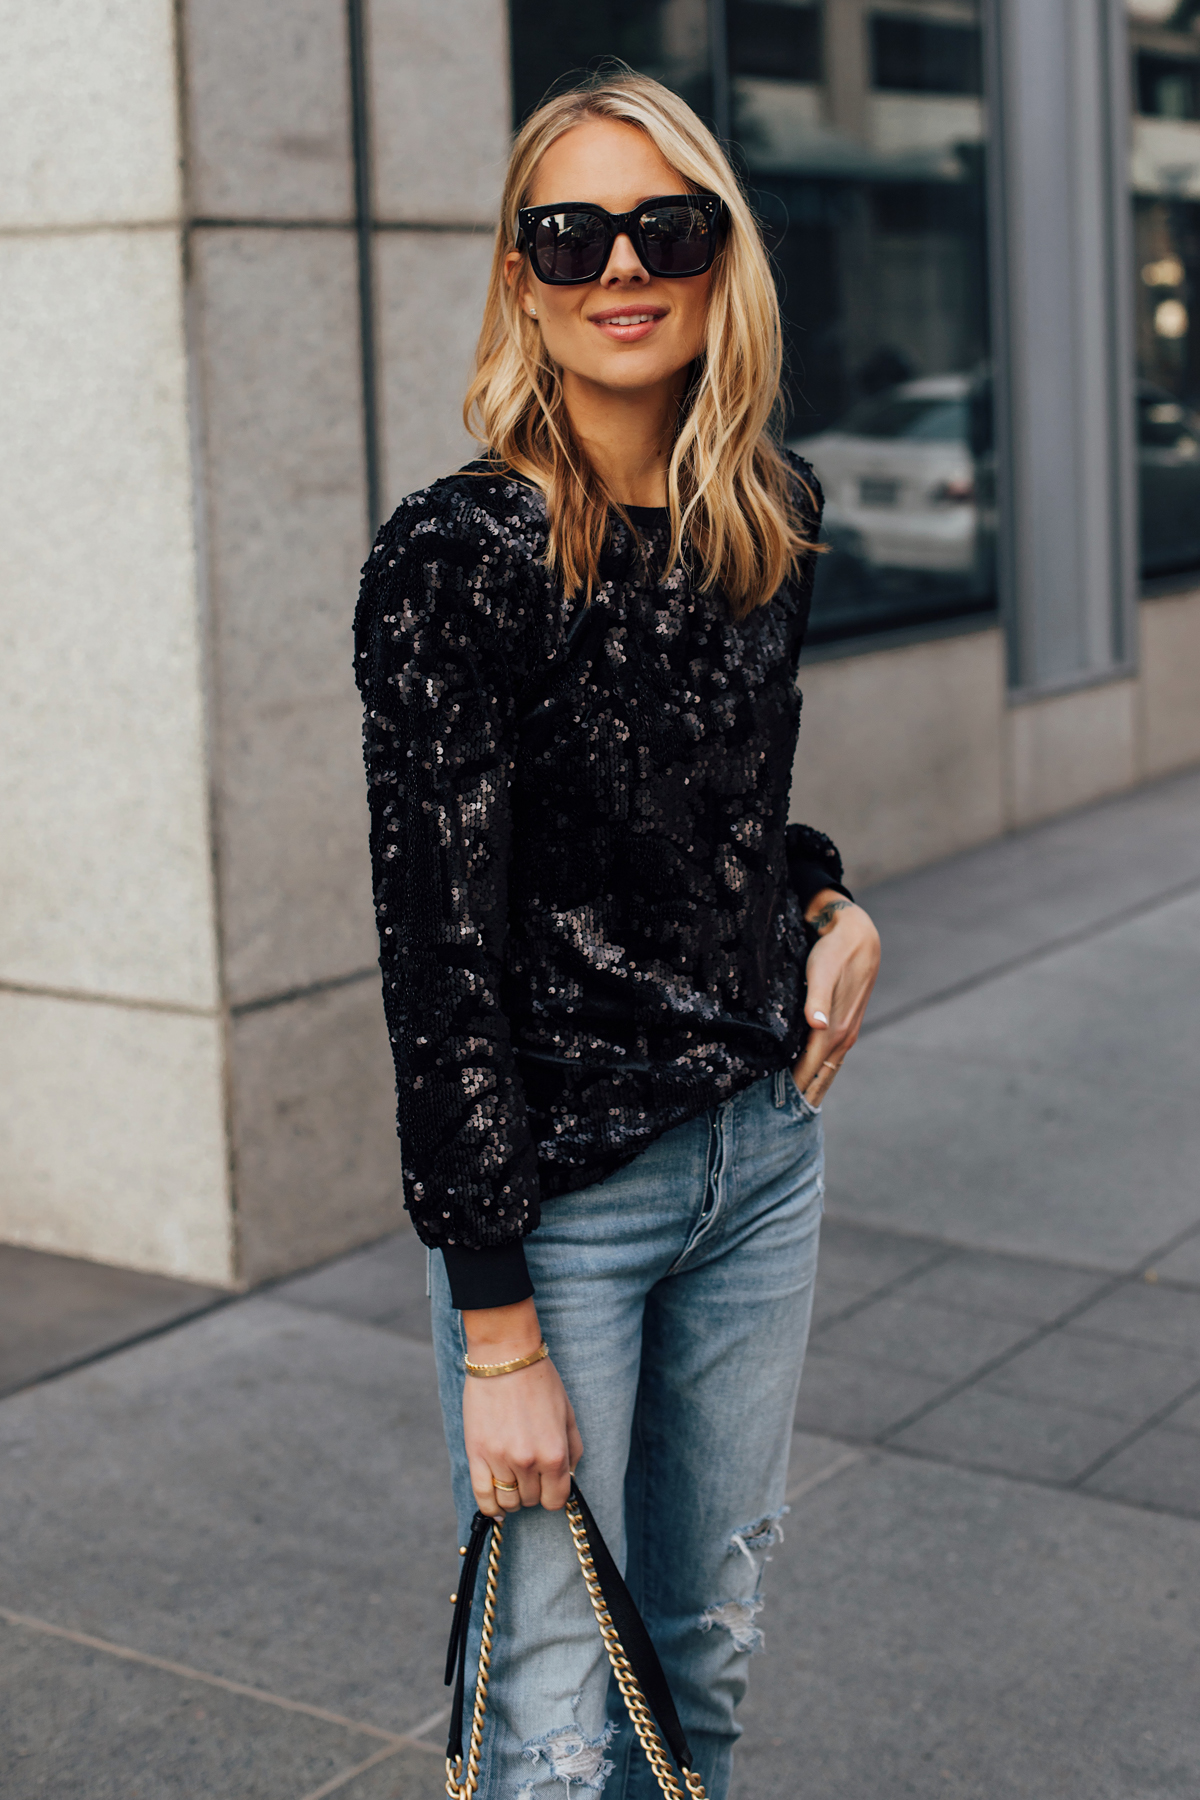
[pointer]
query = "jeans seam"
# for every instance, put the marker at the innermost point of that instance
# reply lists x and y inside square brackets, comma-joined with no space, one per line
[635,1748]
[714,1169]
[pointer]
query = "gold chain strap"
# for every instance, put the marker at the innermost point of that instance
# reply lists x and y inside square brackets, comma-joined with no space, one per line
[460,1787]
[627,1681]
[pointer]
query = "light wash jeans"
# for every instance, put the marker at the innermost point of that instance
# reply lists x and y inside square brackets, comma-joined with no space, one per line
[675,1298]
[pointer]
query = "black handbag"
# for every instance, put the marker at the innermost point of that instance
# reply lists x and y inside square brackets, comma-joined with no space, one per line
[633,1657]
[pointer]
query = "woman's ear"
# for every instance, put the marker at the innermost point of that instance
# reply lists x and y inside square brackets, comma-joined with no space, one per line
[516,274]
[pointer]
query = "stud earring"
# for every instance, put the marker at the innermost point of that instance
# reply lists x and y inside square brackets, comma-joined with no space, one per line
[532,314]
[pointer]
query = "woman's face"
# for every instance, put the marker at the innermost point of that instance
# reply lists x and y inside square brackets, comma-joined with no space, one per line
[628,329]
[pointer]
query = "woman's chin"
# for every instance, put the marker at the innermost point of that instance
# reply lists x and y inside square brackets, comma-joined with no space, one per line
[628,371]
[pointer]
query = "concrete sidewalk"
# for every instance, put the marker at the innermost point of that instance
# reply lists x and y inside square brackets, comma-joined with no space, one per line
[225,1549]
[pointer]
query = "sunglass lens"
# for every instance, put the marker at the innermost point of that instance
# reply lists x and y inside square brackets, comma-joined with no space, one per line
[678,240]
[569,246]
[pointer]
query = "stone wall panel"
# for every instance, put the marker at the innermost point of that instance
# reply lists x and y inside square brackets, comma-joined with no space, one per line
[268,109]
[286,538]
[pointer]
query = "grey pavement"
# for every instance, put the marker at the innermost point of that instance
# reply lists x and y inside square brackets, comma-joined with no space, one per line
[225,1534]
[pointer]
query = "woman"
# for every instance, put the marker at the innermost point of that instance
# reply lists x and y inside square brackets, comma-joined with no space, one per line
[577,659]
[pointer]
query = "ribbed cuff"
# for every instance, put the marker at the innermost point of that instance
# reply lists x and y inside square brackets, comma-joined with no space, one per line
[482,1278]
[806,879]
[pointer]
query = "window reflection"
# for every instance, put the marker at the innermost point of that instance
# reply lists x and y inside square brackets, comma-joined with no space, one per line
[866,158]
[861,131]
[553,39]
[1166,198]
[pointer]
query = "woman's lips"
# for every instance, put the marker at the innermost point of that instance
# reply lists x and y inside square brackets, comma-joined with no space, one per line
[629,324]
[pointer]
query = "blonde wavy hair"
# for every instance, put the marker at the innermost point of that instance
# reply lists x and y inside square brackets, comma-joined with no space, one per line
[735,514]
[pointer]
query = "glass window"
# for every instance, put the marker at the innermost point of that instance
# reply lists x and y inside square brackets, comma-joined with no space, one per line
[668,39]
[1166,212]
[860,130]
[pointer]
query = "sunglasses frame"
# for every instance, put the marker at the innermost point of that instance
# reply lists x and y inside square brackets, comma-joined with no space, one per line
[621,225]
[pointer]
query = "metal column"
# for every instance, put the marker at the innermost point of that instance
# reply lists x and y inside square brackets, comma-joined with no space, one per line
[1063,339]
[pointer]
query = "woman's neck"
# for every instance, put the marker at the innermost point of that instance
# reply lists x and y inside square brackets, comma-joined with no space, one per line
[626,435]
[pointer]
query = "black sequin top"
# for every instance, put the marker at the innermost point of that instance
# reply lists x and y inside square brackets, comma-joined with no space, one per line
[590,906]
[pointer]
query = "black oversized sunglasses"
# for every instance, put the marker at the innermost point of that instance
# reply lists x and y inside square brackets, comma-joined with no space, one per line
[673,234]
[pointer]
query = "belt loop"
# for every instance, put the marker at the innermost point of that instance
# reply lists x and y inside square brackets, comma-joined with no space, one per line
[779,1092]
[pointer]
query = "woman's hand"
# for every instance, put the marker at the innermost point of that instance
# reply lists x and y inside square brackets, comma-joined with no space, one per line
[520,1427]
[842,966]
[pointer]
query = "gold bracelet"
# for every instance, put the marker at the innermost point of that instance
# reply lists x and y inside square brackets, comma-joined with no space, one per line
[486,1370]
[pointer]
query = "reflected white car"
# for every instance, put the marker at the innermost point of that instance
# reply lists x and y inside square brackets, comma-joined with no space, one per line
[900,478]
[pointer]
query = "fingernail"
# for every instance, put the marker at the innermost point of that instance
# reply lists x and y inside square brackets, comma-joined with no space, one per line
[820,1018]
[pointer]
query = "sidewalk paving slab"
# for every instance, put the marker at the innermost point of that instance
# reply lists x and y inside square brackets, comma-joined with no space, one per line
[1187,1416]
[946,1635]
[1160,1469]
[404,1778]
[1181,1264]
[1047,1114]
[1151,1315]
[1003,1287]
[1038,1439]
[1116,1380]
[82,1723]
[383,1284]
[58,1310]
[900,1333]
[962,919]
[859,1401]
[263,1494]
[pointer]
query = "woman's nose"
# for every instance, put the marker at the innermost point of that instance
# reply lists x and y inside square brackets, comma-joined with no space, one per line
[623,263]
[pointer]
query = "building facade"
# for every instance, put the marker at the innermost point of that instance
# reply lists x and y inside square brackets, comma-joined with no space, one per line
[243,254]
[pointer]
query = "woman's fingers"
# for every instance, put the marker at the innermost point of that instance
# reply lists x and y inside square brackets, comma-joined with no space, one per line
[574,1441]
[487,1499]
[842,968]
[529,1484]
[819,1012]
[556,1487]
[556,1477]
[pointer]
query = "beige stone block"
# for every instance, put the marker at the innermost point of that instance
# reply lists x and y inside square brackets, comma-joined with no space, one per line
[1170,682]
[296,874]
[112,1136]
[431,288]
[316,1152]
[88,129]
[286,538]
[899,757]
[105,884]
[440,108]
[269,109]
[1070,748]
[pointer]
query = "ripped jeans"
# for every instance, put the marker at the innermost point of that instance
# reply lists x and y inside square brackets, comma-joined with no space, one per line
[675,1298]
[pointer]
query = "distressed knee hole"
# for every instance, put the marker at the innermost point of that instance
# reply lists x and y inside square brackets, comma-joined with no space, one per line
[737,1618]
[762,1535]
[571,1757]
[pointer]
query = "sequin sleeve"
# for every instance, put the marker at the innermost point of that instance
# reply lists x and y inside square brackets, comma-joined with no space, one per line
[438,648]
[813,861]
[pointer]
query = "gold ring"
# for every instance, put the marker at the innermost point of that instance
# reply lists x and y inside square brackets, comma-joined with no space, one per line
[834,1066]
[505,1487]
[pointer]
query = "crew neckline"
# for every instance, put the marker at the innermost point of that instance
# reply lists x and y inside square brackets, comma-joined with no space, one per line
[647,515]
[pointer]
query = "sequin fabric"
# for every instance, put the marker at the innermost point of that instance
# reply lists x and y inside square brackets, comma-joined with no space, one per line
[579,850]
